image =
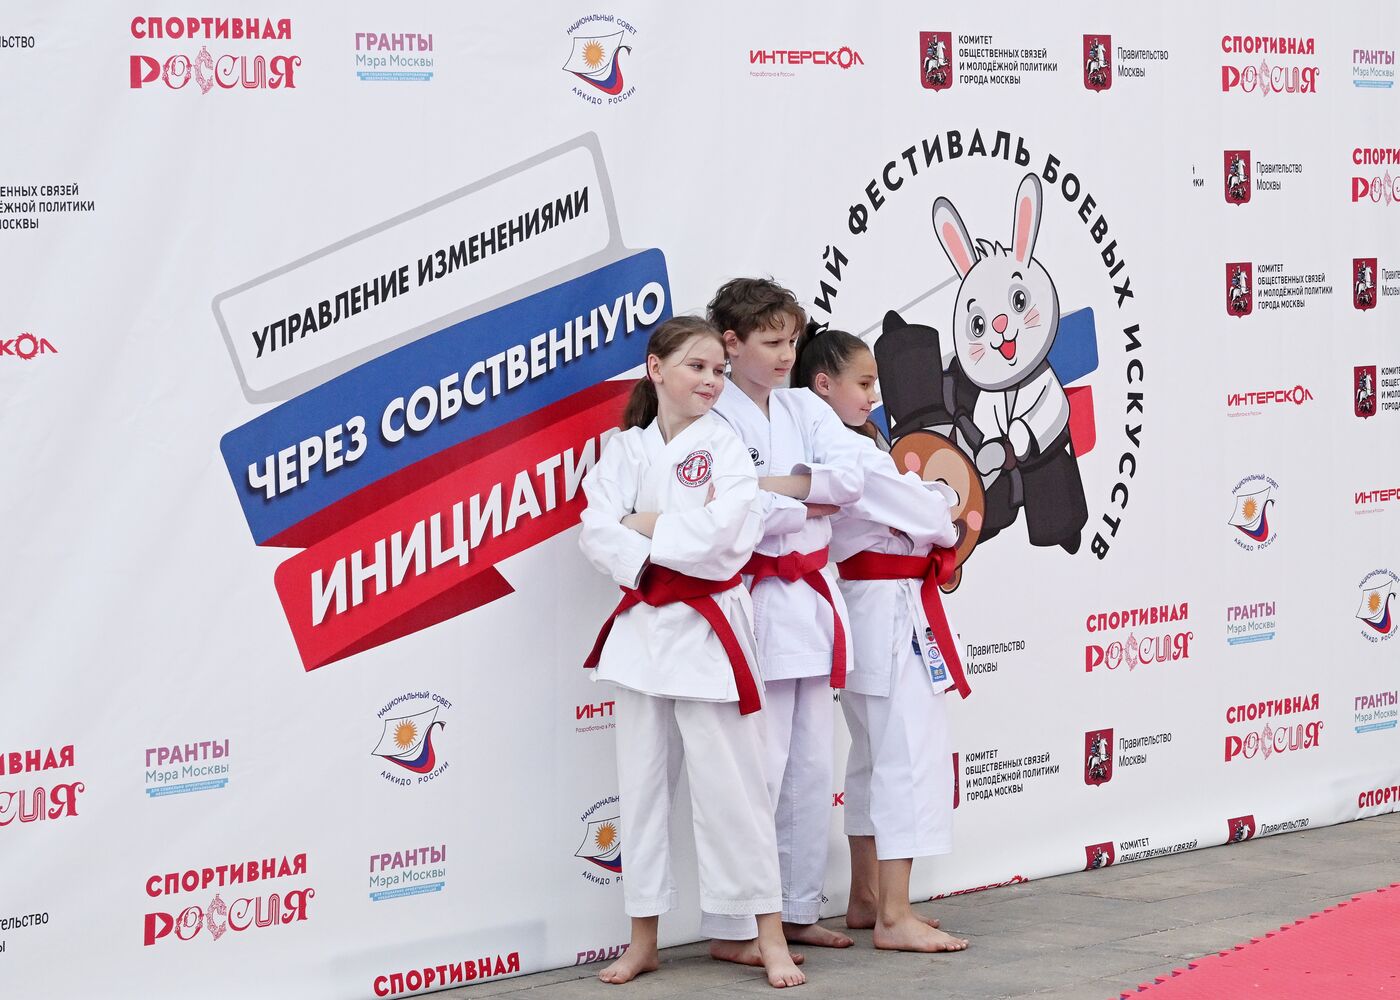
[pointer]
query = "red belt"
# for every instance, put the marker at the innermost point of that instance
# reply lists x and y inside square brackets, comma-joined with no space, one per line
[933,569]
[806,566]
[665,586]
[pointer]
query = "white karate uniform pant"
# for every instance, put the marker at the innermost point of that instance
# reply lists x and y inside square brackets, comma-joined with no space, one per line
[800,719]
[899,775]
[734,842]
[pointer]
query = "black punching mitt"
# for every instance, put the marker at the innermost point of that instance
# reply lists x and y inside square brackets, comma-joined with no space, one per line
[911,375]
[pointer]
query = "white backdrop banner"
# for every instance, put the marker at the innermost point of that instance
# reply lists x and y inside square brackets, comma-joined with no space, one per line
[315,316]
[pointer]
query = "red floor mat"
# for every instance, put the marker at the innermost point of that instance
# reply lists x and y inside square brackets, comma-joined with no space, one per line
[1345,952]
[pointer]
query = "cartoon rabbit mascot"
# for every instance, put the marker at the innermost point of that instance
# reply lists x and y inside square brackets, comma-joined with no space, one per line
[1004,324]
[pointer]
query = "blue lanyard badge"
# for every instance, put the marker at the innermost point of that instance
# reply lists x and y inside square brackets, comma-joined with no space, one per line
[937,671]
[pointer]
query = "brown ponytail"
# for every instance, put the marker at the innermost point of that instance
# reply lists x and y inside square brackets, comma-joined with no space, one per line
[641,405]
[666,340]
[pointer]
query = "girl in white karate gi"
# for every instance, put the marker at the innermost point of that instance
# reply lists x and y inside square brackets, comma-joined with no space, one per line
[808,466]
[671,519]
[892,546]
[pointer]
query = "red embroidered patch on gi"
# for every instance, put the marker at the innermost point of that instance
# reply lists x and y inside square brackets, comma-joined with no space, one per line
[695,470]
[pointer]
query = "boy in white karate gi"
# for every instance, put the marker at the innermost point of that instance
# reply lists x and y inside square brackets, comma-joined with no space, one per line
[807,466]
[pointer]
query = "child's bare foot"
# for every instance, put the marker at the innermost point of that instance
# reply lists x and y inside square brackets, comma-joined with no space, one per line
[744,953]
[778,963]
[911,933]
[816,935]
[633,963]
[860,916]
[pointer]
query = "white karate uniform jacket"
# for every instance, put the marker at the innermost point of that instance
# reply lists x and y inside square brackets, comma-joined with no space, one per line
[885,614]
[1041,404]
[671,651]
[800,436]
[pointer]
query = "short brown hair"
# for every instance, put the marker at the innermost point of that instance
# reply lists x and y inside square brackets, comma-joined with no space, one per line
[748,304]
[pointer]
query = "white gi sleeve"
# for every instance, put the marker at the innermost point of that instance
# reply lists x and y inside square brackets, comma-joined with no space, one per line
[779,514]
[836,466]
[905,502]
[714,541]
[611,488]
[1048,413]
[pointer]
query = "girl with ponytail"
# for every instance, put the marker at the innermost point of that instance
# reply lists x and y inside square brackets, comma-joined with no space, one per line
[670,519]
[892,547]
[666,340]
[832,357]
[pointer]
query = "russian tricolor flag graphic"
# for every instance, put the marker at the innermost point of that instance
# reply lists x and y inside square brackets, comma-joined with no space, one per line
[1073,357]
[1251,514]
[602,844]
[1374,611]
[594,60]
[408,741]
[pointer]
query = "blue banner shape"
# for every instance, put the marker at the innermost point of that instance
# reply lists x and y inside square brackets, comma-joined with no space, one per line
[190,786]
[408,890]
[1241,640]
[367,391]
[1075,352]
[881,419]
[1375,727]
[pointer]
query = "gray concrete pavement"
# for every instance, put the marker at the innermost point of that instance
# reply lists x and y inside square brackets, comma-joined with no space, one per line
[1084,936]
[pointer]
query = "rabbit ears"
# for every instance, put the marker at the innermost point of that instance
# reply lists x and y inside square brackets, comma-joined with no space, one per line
[1025,221]
[1025,225]
[952,234]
